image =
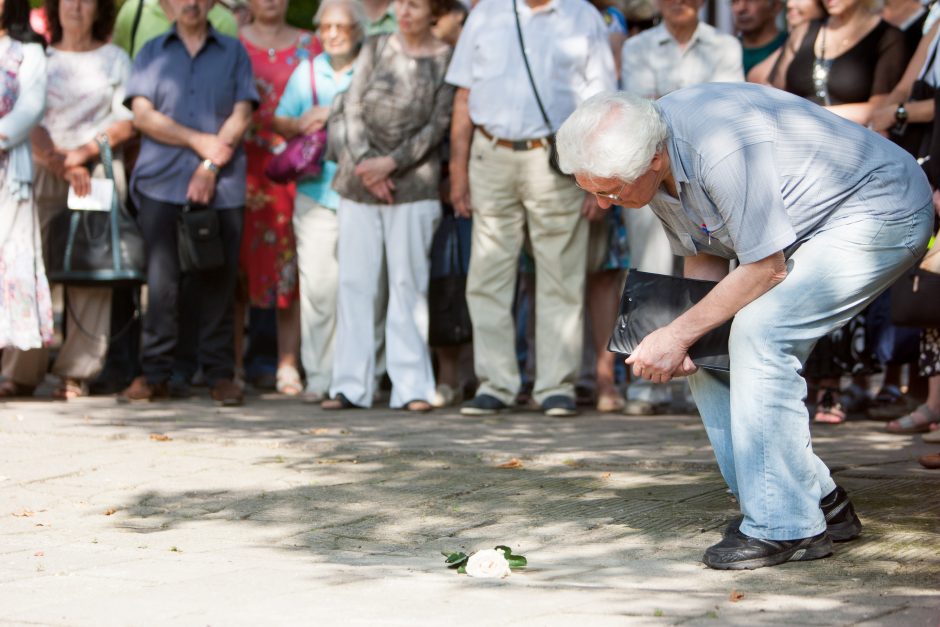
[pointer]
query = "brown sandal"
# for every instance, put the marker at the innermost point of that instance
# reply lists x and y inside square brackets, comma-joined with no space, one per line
[69,389]
[918,421]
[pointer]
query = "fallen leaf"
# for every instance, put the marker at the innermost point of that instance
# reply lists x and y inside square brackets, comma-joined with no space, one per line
[38,554]
[337,461]
[86,418]
[109,511]
[606,475]
[26,513]
[318,431]
[512,463]
[735,596]
[160,437]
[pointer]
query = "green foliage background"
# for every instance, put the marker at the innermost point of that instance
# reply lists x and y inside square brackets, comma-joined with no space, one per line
[299,12]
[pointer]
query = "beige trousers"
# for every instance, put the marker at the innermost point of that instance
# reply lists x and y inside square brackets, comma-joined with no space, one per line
[508,191]
[88,309]
[316,231]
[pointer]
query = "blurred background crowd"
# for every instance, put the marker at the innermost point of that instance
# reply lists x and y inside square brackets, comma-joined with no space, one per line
[430,254]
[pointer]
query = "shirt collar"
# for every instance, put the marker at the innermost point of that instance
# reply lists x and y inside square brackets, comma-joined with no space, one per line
[675,161]
[525,9]
[211,34]
[703,32]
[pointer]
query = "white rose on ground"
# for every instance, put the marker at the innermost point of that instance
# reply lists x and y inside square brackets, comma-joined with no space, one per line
[488,564]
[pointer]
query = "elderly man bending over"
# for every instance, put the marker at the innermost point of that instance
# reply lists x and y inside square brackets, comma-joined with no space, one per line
[821,214]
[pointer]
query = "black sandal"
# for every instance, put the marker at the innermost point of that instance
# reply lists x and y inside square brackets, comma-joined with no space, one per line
[338,402]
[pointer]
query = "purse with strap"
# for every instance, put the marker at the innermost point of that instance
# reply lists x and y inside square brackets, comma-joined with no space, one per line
[97,248]
[302,156]
[199,239]
[552,151]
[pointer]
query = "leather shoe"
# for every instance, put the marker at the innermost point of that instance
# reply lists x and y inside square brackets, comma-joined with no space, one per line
[227,393]
[141,391]
[842,523]
[738,551]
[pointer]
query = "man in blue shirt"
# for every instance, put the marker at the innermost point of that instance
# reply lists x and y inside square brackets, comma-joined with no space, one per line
[821,214]
[192,94]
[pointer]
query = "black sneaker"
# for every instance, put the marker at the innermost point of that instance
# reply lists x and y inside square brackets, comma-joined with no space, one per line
[737,551]
[559,406]
[842,523]
[483,405]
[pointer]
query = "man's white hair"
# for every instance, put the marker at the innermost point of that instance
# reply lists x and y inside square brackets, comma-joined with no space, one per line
[611,135]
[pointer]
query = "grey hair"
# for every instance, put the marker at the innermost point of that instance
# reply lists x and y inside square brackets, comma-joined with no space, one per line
[355,9]
[611,135]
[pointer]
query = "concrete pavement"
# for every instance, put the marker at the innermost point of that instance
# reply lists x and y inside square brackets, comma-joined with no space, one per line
[182,513]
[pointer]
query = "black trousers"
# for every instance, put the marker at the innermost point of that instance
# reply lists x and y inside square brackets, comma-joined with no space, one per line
[214,292]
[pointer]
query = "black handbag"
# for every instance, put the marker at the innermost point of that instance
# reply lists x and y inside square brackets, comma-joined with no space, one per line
[915,137]
[651,301]
[199,239]
[915,299]
[448,317]
[96,248]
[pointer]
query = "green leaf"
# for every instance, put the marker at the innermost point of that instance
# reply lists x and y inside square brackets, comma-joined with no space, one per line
[462,570]
[517,561]
[453,559]
[507,552]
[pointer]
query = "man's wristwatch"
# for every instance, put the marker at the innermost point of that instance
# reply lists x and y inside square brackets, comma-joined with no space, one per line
[901,114]
[208,165]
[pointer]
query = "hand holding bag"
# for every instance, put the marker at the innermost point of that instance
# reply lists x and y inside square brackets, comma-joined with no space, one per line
[651,301]
[302,157]
[199,241]
[97,248]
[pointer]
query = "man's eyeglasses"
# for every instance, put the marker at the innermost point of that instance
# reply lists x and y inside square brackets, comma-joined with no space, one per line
[606,195]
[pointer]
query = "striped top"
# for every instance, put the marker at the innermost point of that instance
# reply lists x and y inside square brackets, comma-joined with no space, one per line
[760,170]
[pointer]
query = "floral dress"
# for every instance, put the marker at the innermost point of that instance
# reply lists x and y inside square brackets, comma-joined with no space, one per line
[25,305]
[268,252]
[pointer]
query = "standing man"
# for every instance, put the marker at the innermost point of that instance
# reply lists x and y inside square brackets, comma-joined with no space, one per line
[192,94]
[139,21]
[756,24]
[821,215]
[499,173]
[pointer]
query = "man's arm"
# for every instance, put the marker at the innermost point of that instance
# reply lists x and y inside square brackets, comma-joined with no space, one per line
[461,135]
[234,127]
[162,128]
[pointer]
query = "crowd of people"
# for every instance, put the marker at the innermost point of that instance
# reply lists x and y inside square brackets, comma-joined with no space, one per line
[436,113]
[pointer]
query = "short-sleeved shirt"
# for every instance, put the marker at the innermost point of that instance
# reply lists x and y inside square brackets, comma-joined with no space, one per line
[568,50]
[775,172]
[199,93]
[84,93]
[753,56]
[154,22]
[297,99]
[653,64]
[386,23]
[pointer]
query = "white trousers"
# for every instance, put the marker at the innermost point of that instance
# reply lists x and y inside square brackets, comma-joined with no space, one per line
[316,232]
[404,232]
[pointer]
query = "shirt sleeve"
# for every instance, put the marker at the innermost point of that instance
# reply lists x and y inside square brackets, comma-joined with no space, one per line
[29,107]
[245,88]
[142,81]
[729,66]
[745,188]
[356,145]
[892,61]
[460,72]
[294,101]
[600,73]
[636,74]
[121,72]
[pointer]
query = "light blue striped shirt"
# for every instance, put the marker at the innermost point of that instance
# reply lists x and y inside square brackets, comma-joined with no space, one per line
[760,170]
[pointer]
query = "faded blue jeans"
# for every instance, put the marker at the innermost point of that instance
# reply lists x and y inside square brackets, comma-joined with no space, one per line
[755,416]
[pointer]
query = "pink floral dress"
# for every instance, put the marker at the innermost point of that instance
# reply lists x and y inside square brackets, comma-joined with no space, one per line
[25,305]
[268,250]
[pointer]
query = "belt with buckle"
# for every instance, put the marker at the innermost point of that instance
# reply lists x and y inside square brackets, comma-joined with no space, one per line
[518,144]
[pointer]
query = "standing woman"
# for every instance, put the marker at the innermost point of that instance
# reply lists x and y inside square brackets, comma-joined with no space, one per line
[25,306]
[341,26]
[268,256]
[84,109]
[395,115]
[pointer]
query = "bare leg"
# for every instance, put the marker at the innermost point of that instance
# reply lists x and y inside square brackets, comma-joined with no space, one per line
[288,334]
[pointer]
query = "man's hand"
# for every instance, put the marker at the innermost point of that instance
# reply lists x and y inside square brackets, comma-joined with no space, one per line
[460,191]
[212,148]
[80,180]
[375,169]
[590,209]
[201,186]
[660,357]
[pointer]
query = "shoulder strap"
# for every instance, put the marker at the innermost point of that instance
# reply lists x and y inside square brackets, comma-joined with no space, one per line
[313,83]
[933,56]
[528,70]
[137,14]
